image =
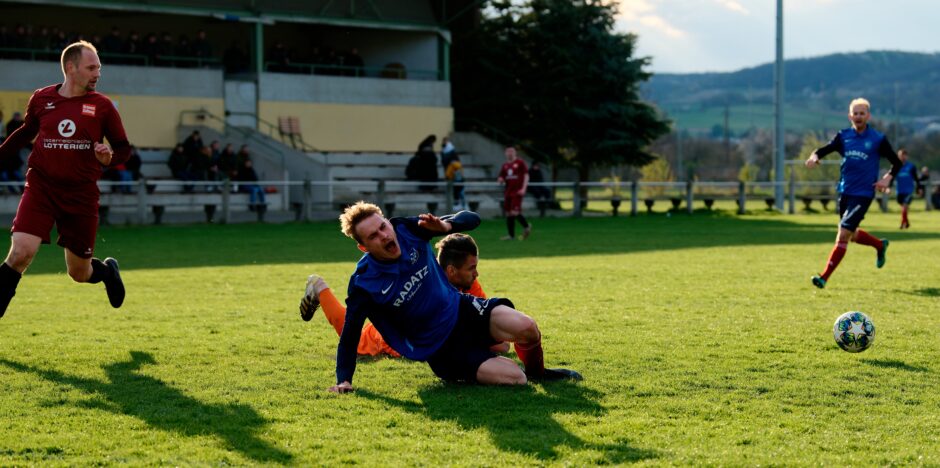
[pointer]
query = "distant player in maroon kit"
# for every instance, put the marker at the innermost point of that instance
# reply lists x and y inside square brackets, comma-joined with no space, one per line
[515,174]
[69,122]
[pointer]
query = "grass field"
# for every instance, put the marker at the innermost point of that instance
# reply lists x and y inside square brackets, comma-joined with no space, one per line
[701,340]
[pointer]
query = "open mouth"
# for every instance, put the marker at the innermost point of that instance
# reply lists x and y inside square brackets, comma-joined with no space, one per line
[391,247]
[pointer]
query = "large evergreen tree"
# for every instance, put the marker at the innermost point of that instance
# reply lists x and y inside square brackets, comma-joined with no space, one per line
[555,75]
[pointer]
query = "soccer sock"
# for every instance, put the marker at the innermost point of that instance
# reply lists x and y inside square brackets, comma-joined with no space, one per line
[99,271]
[904,214]
[9,278]
[522,221]
[532,358]
[511,225]
[334,312]
[864,238]
[834,258]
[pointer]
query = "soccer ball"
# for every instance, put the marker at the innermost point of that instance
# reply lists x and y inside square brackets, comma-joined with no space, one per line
[854,332]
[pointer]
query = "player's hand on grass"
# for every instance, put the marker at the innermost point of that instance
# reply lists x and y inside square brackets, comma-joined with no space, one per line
[433,223]
[103,153]
[344,387]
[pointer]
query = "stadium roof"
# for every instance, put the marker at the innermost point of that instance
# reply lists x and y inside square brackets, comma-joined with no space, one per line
[396,14]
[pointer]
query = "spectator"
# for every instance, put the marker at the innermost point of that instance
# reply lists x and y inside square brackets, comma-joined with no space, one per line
[11,170]
[354,63]
[133,44]
[423,165]
[182,51]
[121,175]
[114,43]
[192,147]
[212,171]
[243,155]
[179,166]
[279,57]
[247,183]
[454,173]
[935,197]
[448,152]
[165,49]
[536,177]
[15,122]
[134,163]
[228,163]
[151,48]
[202,49]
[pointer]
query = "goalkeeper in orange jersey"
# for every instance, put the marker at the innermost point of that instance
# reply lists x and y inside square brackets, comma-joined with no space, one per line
[457,254]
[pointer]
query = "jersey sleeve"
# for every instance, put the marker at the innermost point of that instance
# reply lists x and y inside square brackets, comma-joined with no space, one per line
[886,151]
[23,135]
[117,137]
[461,221]
[834,146]
[357,304]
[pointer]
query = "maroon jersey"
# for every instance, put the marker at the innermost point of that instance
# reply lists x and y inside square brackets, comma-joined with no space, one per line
[66,130]
[514,174]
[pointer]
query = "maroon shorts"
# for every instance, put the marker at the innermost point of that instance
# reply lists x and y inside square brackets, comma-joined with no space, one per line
[512,204]
[41,208]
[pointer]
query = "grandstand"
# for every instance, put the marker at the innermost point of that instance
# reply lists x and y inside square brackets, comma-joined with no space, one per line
[334,93]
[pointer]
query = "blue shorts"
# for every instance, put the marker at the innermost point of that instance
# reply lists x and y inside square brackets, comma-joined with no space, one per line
[905,198]
[468,345]
[852,210]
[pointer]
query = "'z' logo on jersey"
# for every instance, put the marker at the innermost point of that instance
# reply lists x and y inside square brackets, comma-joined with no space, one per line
[88,109]
[66,128]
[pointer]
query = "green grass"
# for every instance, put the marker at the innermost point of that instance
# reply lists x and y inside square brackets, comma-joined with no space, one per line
[700,337]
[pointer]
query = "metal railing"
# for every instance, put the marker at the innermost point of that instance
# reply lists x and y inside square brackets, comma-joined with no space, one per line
[220,200]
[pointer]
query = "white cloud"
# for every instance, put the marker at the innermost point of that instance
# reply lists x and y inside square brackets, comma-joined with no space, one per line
[733,6]
[643,13]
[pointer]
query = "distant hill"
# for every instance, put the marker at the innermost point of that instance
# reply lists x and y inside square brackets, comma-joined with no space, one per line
[817,91]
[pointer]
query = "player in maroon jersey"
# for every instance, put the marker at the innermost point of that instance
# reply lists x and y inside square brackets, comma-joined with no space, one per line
[515,174]
[69,122]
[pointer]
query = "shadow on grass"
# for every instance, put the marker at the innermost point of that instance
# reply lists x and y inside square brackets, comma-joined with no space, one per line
[520,420]
[926,292]
[151,247]
[894,364]
[163,407]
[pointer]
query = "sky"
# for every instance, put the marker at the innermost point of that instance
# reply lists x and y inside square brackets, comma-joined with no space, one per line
[686,36]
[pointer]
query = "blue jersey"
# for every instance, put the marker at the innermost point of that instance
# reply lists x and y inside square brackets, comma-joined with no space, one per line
[409,300]
[861,153]
[908,178]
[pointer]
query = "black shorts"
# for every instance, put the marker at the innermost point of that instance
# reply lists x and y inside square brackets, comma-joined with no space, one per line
[905,198]
[852,210]
[468,345]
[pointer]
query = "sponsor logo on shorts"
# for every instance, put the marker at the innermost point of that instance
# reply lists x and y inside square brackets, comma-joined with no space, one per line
[67,128]
[88,109]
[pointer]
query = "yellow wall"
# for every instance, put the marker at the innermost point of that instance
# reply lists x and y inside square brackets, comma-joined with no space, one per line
[150,121]
[346,127]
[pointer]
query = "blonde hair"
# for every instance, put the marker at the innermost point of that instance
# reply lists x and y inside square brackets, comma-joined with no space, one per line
[858,101]
[354,214]
[72,53]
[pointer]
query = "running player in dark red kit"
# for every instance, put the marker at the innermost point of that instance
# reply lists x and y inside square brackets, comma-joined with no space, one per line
[515,174]
[69,122]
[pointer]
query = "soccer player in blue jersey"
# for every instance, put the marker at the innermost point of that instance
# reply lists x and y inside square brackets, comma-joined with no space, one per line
[861,148]
[399,286]
[908,181]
